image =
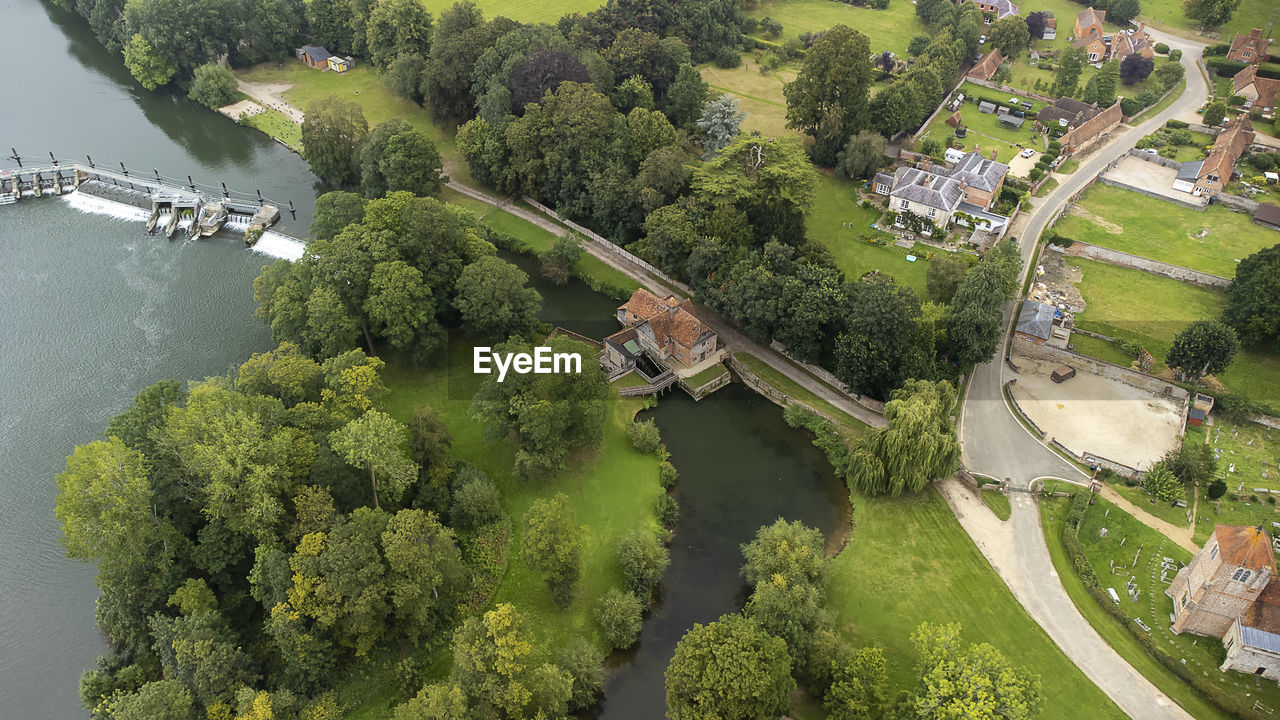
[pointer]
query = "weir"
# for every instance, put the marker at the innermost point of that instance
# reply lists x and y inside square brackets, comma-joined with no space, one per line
[172,207]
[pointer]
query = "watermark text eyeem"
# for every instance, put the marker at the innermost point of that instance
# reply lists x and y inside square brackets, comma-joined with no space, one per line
[542,362]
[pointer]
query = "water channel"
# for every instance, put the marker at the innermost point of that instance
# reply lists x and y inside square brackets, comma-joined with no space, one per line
[93,310]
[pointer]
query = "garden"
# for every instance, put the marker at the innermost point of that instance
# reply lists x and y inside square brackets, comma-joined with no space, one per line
[888,29]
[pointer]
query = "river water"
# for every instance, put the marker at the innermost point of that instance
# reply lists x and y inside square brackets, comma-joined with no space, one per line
[93,310]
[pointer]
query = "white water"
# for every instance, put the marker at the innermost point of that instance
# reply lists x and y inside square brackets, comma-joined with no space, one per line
[102,206]
[279,246]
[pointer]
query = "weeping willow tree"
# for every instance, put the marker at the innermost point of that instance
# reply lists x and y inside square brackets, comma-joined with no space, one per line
[918,446]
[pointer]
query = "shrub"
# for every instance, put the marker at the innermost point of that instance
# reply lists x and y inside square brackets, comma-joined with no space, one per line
[1175,55]
[1035,174]
[1131,106]
[1235,100]
[1054,145]
[667,509]
[643,560]
[1168,151]
[1216,50]
[1060,240]
[667,475]
[645,436]
[1128,347]
[1162,48]
[1217,489]
[727,57]
[1224,68]
[476,501]
[1236,407]
[1177,124]
[618,614]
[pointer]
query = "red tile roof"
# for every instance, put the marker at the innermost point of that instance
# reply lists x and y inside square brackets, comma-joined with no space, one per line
[1267,88]
[1245,546]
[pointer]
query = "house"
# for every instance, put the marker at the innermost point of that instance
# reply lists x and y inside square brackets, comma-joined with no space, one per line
[937,193]
[1089,34]
[1267,215]
[1199,409]
[1124,44]
[1217,169]
[1050,29]
[1250,49]
[987,66]
[997,8]
[1185,180]
[663,329]
[339,64]
[314,56]
[1035,322]
[1259,92]
[1085,123]
[1226,592]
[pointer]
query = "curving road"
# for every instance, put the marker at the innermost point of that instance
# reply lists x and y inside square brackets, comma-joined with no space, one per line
[996,444]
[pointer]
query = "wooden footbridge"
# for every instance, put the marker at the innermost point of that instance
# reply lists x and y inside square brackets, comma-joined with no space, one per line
[172,205]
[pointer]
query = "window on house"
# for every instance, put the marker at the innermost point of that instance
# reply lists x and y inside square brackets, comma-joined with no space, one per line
[1185,598]
[1230,643]
[933,213]
[904,204]
[1242,575]
[882,188]
[1093,57]
[1246,54]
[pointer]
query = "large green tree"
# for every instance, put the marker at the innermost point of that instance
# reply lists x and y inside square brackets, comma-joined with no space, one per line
[553,545]
[729,668]
[769,179]
[1210,13]
[877,351]
[975,682]
[375,442]
[1253,299]
[828,98]
[147,66]
[495,300]
[213,86]
[1203,347]
[398,27]
[917,446]
[396,156]
[1010,35]
[331,133]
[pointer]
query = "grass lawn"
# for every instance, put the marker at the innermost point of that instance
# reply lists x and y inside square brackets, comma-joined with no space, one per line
[1151,310]
[1047,187]
[706,376]
[1131,227]
[985,130]
[1175,516]
[1101,349]
[534,11]
[998,502]
[612,490]
[889,29]
[279,126]
[759,95]
[851,428]
[907,561]
[1068,167]
[1252,450]
[853,253]
[1052,514]
[1167,15]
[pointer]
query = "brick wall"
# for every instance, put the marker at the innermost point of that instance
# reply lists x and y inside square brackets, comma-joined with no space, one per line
[1087,132]
[1155,267]
[1085,363]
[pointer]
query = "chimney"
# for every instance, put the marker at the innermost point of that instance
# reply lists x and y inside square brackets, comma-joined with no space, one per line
[926,164]
[993,154]
[977,149]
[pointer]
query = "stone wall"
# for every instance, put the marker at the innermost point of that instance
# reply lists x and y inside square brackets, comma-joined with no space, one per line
[1084,363]
[1235,202]
[1151,193]
[825,376]
[1155,267]
[753,381]
[1155,159]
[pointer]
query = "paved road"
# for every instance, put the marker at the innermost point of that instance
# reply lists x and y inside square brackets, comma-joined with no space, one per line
[996,444]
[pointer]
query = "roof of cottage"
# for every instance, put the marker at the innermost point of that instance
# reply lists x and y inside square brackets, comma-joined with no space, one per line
[988,65]
[932,188]
[1036,319]
[1245,546]
[976,171]
[316,52]
[1089,16]
[1227,148]
[1253,41]
[1267,88]
[1075,112]
[668,318]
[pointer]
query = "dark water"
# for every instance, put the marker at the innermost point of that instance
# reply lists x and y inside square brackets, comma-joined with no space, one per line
[572,306]
[740,467]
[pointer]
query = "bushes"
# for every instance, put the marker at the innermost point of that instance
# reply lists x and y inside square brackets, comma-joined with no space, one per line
[476,502]
[1177,124]
[1175,55]
[619,614]
[667,474]
[667,509]
[645,437]
[1060,240]
[1217,489]
[1218,50]
[1162,48]
[1224,68]
[643,559]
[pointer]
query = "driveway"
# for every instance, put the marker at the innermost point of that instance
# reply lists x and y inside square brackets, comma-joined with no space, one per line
[1021,167]
[1152,177]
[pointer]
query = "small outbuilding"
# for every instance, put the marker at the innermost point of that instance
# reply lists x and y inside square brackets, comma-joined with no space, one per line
[1035,321]
[1199,409]
[1267,215]
[315,56]
[1062,373]
[986,107]
[340,64]
[1012,120]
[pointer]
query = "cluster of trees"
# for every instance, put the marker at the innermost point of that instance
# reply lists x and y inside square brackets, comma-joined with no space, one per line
[1253,300]
[392,157]
[168,40]
[745,665]
[1210,13]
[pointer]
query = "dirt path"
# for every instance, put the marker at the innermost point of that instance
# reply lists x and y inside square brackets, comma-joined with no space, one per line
[271,95]
[1180,535]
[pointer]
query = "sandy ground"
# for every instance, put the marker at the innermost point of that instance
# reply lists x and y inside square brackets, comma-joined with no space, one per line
[1094,414]
[244,107]
[1150,176]
[1021,167]
[271,95]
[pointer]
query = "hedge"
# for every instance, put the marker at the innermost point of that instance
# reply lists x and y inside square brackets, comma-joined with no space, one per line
[1224,68]
[1177,124]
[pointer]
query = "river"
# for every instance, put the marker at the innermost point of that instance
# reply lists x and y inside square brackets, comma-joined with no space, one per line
[94,310]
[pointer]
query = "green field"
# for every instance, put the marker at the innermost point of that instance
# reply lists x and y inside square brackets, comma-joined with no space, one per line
[998,502]
[612,490]
[706,376]
[850,427]
[760,95]
[1052,514]
[279,126]
[908,561]
[1130,224]
[1253,450]
[889,29]
[1175,516]
[853,253]
[1167,15]
[531,11]
[1101,349]
[1151,310]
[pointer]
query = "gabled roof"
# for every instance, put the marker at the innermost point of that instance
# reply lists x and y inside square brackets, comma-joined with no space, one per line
[1073,111]
[1004,8]
[1253,41]
[988,65]
[643,303]
[1227,148]
[1267,88]
[1245,546]
[1267,213]
[1089,17]
[883,179]
[976,171]
[1189,170]
[1036,319]
[317,53]
[668,318]
[931,188]
[1264,614]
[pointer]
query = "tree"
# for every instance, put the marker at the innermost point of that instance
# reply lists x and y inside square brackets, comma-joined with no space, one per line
[1192,463]
[1101,88]
[1210,13]
[619,614]
[975,682]
[434,702]
[1203,347]
[461,37]
[331,133]
[1122,11]
[1170,74]
[585,665]
[790,550]
[645,436]
[158,699]
[1135,68]
[1253,299]
[552,545]
[213,86]
[401,308]
[494,299]
[1161,484]
[874,354]
[334,211]
[720,120]
[1067,76]
[1036,23]
[476,501]
[201,652]
[862,156]
[975,323]
[917,447]
[147,66]
[643,559]
[404,76]
[541,72]
[1214,113]
[375,441]
[557,262]
[425,572]
[395,156]
[828,98]
[634,92]
[491,666]
[859,687]
[943,277]
[398,27]
[729,668]
[1010,35]
[771,180]
[686,97]
[104,505]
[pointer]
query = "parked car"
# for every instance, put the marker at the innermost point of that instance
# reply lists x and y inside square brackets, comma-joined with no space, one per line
[1027,153]
[982,39]
[1019,113]
[1027,104]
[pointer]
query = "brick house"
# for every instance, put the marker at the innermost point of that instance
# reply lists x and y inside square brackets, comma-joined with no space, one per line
[987,66]
[1226,592]
[1089,34]
[315,56]
[1085,122]
[997,8]
[1250,49]
[1217,169]
[1258,90]
[665,328]
[937,193]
